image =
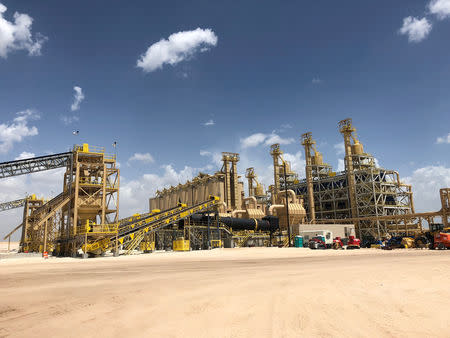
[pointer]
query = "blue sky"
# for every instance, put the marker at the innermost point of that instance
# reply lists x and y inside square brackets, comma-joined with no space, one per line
[273,68]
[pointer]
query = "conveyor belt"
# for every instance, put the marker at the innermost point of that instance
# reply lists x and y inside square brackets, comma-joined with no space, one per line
[35,164]
[12,204]
[130,235]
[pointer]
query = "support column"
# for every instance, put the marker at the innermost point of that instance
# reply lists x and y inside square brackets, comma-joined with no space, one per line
[235,193]
[44,248]
[227,181]
[104,179]
[346,130]
[307,143]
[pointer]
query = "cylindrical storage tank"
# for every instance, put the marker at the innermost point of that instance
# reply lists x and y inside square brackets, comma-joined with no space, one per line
[205,189]
[184,195]
[318,158]
[259,191]
[195,194]
[357,149]
[189,194]
[166,200]
[173,198]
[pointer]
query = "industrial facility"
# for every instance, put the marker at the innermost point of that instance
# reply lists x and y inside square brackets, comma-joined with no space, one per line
[212,210]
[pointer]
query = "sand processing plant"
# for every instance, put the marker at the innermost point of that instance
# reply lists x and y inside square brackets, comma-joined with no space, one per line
[212,210]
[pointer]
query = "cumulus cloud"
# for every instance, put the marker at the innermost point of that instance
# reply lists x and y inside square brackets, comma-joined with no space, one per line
[340,148]
[17,130]
[426,183]
[267,139]
[17,35]
[209,123]
[215,156]
[416,29]
[341,165]
[24,155]
[146,158]
[440,8]
[78,97]
[253,140]
[178,47]
[297,162]
[443,139]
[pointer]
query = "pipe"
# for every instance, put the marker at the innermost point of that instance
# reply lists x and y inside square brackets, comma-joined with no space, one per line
[253,198]
[234,212]
[273,206]
[224,205]
[290,192]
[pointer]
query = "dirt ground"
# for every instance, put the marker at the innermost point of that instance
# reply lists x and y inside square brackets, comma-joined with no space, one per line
[265,292]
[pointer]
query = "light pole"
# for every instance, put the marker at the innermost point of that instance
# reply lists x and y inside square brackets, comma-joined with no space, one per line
[287,203]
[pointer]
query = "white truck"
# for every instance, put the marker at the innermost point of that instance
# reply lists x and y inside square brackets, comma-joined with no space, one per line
[326,235]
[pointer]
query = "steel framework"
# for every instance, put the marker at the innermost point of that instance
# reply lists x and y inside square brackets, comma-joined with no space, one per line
[360,192]
[12,204]
[32,165]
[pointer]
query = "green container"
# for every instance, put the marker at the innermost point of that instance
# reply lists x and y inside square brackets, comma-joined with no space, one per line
[298,241]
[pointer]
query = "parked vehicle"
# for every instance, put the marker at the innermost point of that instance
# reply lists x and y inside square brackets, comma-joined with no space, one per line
[325,234]
[442,240]
[353,243]
[317,242]
[337,243]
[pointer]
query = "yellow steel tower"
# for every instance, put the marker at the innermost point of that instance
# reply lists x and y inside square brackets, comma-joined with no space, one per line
[308,143]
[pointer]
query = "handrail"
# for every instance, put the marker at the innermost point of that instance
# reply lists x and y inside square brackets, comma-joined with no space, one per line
[99,229]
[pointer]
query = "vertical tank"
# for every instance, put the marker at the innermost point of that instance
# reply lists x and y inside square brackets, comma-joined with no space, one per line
[357,148]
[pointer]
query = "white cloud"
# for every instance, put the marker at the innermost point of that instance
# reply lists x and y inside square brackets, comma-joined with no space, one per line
[274,138]
[69,119]
[146,158]
[416,29]
[178,47]
[216,157]
[267,139]
[297,162]
[209,123]
[440,8]
[253,140]
[316,80]
[24,155]
[443,139]
[78,97]
[17,35]
[340,148]
[341,165]
[426,183]
[17,130]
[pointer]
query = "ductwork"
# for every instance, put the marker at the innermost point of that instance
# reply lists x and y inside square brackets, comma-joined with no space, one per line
[273,206]
[253,198]
[290,192]
[235,212]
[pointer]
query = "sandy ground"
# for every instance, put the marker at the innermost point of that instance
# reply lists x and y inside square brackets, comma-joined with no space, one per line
[266,292]
[13,246]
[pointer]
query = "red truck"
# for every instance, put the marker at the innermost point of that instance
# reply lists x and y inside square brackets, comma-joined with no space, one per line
[441,240]
[353,243]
